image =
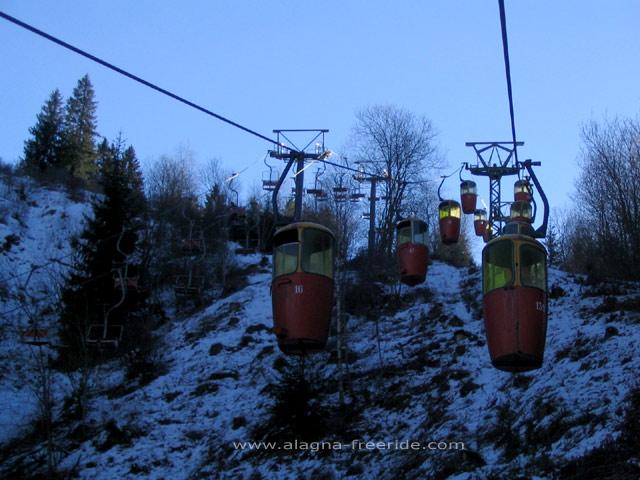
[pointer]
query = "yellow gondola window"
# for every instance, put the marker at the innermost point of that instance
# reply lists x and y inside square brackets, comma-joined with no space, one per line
[450,210]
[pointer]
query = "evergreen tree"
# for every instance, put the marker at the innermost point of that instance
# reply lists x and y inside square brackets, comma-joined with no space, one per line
[93,288]
[79,147]
[215,218]
[43,149]
[552,243]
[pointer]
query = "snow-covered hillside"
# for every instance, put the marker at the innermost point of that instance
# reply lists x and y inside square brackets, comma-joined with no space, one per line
[36,228]
[215,384]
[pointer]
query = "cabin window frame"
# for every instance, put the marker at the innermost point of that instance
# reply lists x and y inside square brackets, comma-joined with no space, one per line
[285,240]
[487,286]
[418,236]
[446,212]
[402,234]
[306,263]
[468,187]
[522,187]
[540,277]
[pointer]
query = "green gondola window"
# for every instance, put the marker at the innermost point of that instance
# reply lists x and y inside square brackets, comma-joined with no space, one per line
[404,234]
[286,259]
[497,261]
[420,233]
[285,253]
[532,267]
[317,252]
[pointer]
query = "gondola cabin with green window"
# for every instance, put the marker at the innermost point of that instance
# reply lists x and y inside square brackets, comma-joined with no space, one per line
[413,254]
[302,287]
[449,213]
[514,277]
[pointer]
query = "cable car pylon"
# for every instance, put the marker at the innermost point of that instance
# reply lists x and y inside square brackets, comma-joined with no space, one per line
[514,262]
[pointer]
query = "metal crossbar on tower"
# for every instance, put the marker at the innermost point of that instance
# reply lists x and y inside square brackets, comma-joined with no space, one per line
[491,164]
[298,156]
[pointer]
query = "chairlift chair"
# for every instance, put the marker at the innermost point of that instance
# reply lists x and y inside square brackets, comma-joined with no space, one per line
[341,193]
[35,336]
[191,246]
[104,335]
[188,286]
[268,183]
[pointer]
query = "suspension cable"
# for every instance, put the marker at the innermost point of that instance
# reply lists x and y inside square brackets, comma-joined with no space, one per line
[151,85]
[134,77]
[507,68]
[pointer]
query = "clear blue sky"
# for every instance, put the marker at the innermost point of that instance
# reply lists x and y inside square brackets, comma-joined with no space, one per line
[303,64]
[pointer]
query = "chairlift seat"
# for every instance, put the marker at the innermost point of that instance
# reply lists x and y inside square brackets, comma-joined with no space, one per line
[191,246]
[96,336]
[131,282]
[36,336]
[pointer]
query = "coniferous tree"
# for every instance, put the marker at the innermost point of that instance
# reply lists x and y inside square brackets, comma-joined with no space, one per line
[79,146]
[43,149]
[552,244]
[108,247]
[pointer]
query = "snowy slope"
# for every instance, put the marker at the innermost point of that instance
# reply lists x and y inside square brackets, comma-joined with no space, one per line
[220,363]
[36,226]
[213,380]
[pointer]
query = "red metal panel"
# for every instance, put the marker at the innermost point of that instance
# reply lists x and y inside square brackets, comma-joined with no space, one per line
[522,196]
[515,320]
[468,202]
[302,304]
[480,227]
[449,229]
[412,263]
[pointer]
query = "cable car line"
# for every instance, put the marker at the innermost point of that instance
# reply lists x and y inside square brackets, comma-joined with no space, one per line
[127,74]
[146,83]
[507,68]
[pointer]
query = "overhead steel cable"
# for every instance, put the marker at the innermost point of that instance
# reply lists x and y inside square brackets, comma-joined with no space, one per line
[127,74]
[146,83]
[507,68]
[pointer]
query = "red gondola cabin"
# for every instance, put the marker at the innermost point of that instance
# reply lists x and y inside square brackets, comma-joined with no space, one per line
[480,222]
[413,254]
[522,191]
[488,233]
[468,196]
[302,287]
[449,221]
[515,301]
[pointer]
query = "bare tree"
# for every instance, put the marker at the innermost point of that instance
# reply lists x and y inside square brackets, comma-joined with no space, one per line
[398,145]
[173,200]
[607,235]
[214,177]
